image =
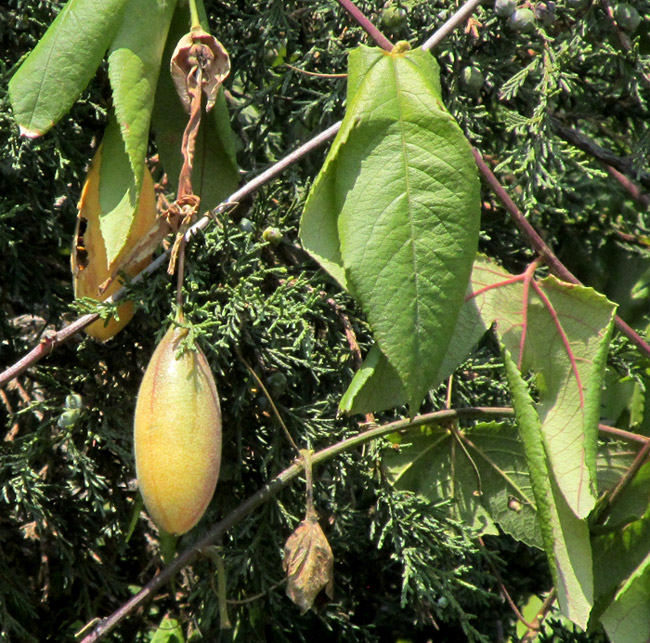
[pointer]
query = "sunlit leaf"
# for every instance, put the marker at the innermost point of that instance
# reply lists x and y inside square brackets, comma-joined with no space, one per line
[565,536]
[133,67]
[394,212]
[62,63]
[90,263]
[560,332]
[376,385]
[622,564]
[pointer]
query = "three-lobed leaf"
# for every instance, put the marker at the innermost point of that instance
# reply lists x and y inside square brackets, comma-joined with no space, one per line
[394,213]
[485,477]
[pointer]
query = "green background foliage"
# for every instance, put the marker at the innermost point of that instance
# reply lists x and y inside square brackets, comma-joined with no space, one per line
[73,546]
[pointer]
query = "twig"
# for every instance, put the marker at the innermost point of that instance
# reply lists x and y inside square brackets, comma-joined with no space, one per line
[44,349]
[457,19]
[536,625]
[272,489]
[259,382]
[625,435]
[630,187]
[255,597]
[502,588]
[623,38]
[539,245]
[46,346]
[314,73]
[625,480]
[579,140]
[366,25]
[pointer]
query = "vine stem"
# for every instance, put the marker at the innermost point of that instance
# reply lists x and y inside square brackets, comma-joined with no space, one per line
[45,348]
[452,23]
[539,245]
[277,484]
[366,25]
[270,490]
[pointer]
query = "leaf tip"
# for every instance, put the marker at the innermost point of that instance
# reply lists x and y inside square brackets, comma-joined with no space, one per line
[29,133]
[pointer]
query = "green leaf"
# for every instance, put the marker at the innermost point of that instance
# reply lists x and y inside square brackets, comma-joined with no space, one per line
[169,631]
[394,213]
[434,465]
[627,619]
[376,386]
[565,536]
[215,174]
[118,194]
[61,65]
[621,560]
[561,333]
[133,68]
[622,565]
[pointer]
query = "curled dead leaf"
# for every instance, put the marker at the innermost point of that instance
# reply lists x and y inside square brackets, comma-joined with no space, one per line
[199,58]
[308,563]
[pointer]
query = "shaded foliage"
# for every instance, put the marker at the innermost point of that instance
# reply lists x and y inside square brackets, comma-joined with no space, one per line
[402,568]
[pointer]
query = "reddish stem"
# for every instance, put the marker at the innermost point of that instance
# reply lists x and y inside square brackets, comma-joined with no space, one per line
[528,277]
[555,265]
[366,25]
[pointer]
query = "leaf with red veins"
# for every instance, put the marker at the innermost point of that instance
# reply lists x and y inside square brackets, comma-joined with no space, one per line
[558,333]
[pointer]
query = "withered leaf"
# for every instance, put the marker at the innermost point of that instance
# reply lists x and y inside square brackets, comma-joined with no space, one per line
[308,563]
[199,58]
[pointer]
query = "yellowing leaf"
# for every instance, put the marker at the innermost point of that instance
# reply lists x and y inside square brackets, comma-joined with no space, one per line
[89,262]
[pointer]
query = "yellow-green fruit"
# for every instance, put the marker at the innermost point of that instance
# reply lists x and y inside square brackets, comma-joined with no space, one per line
[177,435]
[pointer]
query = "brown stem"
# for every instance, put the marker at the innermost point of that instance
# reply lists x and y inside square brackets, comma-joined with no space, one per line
[366,25]
[539,245]
[625,480]
[536,625]
[269,491]
[502,589]
[37,353]
[46,346]
[625,435]
[630,187]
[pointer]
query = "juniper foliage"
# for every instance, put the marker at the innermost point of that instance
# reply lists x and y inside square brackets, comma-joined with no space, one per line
[71,540]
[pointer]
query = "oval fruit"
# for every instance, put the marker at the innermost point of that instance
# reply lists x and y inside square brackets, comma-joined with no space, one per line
[177,435]
[89,264]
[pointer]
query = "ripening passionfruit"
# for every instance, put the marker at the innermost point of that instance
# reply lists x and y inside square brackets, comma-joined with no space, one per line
[177,435]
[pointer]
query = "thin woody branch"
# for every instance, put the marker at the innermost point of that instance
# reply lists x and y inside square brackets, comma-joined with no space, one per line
[40,351]
[577,139]
[270,490]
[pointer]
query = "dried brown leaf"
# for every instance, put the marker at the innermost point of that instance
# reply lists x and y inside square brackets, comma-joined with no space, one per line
[308,563]
[199,58]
